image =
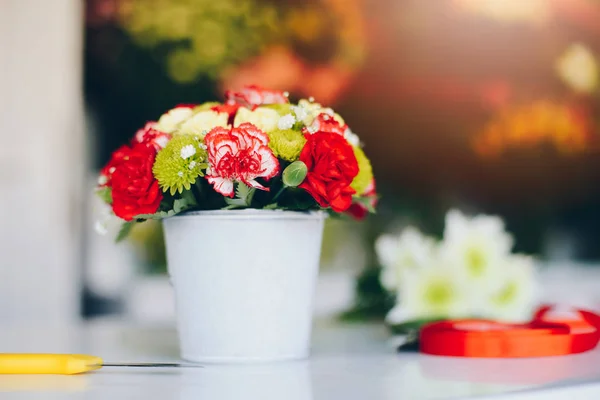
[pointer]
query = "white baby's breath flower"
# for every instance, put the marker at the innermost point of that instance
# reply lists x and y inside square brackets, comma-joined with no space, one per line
[434,292]
[102,179]
[578,68]
[192,165]
[476,248]
[515,300]
[397,254]
[351,137]
[100,227]
[203,122]
[300,112]
[286,122]
[169,121]
[187,151]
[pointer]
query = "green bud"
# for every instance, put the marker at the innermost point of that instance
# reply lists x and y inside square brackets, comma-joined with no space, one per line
[294,174]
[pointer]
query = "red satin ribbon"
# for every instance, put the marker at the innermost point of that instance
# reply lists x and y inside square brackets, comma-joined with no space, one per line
[543,336]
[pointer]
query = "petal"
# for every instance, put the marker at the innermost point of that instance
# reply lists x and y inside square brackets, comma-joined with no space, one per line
[222,185]
[269,164]
[254,184]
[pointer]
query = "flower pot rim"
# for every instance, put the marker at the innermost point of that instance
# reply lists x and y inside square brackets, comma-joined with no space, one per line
[252,213]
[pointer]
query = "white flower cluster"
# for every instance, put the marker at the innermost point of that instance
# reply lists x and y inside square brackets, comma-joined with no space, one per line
[470,273]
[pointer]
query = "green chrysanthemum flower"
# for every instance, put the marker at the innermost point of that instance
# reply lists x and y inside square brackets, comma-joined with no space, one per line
[180,163]
[286,144]
[365,172]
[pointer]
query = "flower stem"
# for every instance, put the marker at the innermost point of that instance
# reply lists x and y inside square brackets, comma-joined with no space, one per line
[279,193]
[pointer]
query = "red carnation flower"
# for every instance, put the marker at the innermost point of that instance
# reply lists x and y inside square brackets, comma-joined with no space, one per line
[326,123]
[331,166]
[151,136]
[253,96]
[358,210]
[229,108]
[186,105]
[239,154]
[117,157]
[134,189]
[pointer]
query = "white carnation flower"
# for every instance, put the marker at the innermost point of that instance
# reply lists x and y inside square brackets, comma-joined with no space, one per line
[397,254]
[265,119]
[515,299]
[203,122]
[169,121]
[434,292]
[476,249]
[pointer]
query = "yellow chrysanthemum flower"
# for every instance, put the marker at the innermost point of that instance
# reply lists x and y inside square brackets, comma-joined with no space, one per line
[180,163]
[282,109]
[170,120]
[286,144]
[202,123]
[263,118]
[206,106]
[365,172]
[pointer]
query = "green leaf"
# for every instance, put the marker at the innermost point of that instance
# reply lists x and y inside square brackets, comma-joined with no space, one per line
[179,205]
[245,193]
[366,202]
[294,174]
[412,326]
[156,215]
[105,193]
[124,231]
[271,206]
[234,203]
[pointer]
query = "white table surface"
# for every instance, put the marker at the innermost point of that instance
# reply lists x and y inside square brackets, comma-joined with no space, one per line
[348,362]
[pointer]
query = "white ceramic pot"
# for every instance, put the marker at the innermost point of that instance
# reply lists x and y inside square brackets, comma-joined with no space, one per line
[244,282]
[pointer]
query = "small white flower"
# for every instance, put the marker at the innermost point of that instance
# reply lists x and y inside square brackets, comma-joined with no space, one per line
[102,179]
[515,299]
[433,292]
[100,227]
[203,146]
[311,99]
[300,112]
[187,151]
[169,121]
[192,165]
[476,248]
[180,174]
[111,169]
[351,137]
[397,254]
[286,122]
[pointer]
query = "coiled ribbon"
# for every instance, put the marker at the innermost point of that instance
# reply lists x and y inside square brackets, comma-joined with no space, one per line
[544,336]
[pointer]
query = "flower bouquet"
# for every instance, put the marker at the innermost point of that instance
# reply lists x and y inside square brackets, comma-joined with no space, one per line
[242,188]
